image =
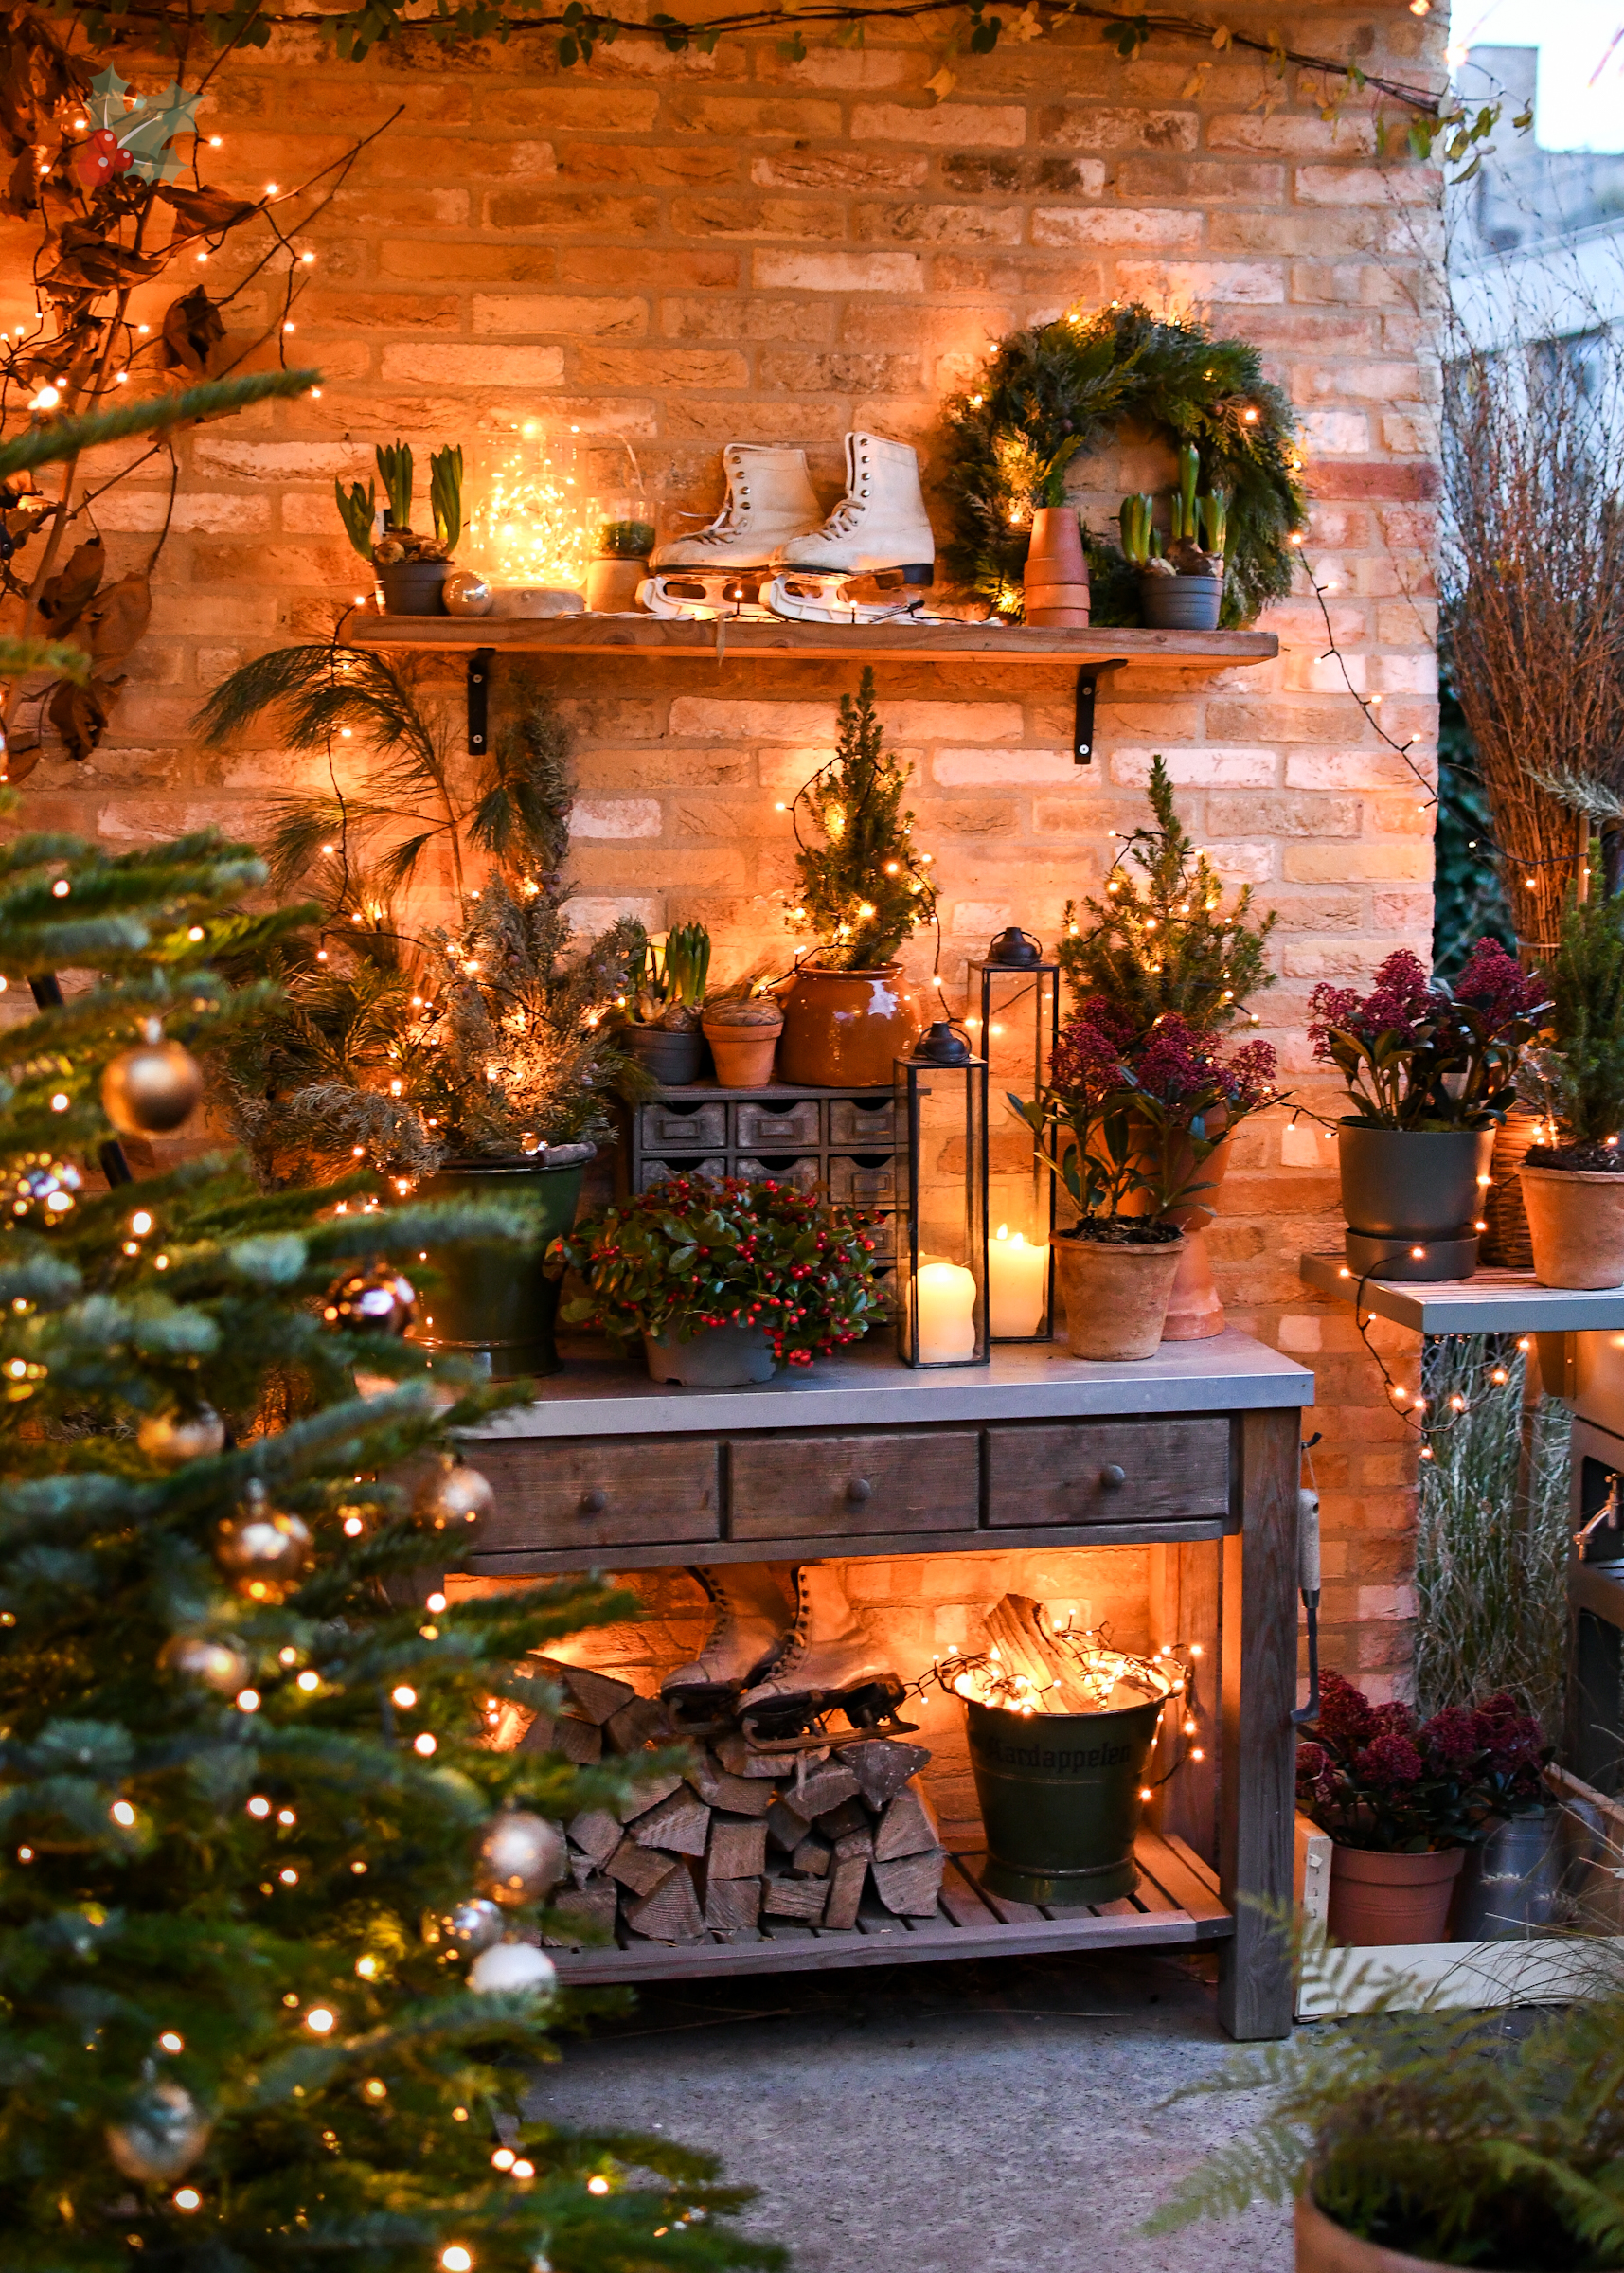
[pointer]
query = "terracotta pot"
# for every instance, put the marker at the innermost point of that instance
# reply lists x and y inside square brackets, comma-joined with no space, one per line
[1055,586]
[1378,1900]
[1116,1297]
[1180,603]
[1323,2246]
[612,583]
[743,1054]
[843,1029]
[718,1357]
[1576,1223]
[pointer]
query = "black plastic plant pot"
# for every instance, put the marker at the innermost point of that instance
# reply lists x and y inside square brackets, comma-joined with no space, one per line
[1413,1198]
[671,1056]
[1180,603]
[1060,1799]
[415,587]
[493,1304]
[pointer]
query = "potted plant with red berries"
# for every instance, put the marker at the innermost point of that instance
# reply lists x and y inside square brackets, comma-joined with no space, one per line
[723,1281]
[1431,1071]
[1127,1122]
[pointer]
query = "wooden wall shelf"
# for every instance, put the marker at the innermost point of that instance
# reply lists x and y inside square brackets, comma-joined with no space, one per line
[1490,1301]
[658,637]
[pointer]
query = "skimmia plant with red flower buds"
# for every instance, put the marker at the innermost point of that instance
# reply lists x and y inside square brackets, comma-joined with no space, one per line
[1376,1777]
[1417,1054]
[1127,1121]
[692,1253]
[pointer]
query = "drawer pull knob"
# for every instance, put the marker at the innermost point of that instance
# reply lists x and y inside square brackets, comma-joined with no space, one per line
[595,1501]
[859,1490]
[1111,1475]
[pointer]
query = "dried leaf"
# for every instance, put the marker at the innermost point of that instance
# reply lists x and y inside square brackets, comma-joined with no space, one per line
[117,617]
[941,83]
[205,212]
[92,258]
[65,596]
[22,189]
[192,330]
[79,714]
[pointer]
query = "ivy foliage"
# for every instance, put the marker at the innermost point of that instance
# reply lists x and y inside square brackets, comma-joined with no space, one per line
[1051,393]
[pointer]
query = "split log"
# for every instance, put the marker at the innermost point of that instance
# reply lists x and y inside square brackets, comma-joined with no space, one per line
[596,1696]
[883,1767]
[646,1794]
[732,1904]
[739,1795]
[907,1827]
[811,1859]
[909,1887]
[822,1789]
[590,1910]
[595,1833]
[638,1721]
[786,1826]
[679,1824]
[638,1867]
[853,1843]
[844,1891]
[582,1867]
[798,1898]
[1020,1629]
[742,1759]
[579,1740]
[737,1849]
[671,1913]
[851,1815]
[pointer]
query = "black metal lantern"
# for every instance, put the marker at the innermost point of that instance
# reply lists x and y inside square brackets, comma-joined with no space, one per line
[941,1201]
[1013,1018]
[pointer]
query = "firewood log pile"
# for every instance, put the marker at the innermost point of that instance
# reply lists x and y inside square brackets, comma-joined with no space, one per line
[814,1839]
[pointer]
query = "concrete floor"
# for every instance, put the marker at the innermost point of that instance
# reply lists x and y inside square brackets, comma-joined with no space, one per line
[994,2117]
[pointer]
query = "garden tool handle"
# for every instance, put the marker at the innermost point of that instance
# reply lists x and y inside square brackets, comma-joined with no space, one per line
[1309,1586]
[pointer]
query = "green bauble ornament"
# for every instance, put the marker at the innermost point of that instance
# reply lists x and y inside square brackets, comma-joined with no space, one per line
[379,1299]
[454,1498]
[521,1857]
[172,1439]
[261,1550]
[162,2134]
[219,1665]
[151,1089]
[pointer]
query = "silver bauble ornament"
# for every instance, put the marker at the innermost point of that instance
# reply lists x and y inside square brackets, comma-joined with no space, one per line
[172,1439]
[219,1665]
[454,1498]
[513,1965]
[465,593]
[472,1926]
[162,2134]
[377,1299]
[153,1088]
[261,1550]
[521,1857]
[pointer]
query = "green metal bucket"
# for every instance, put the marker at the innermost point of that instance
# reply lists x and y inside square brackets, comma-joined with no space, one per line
[1060,1799]
[493,1304]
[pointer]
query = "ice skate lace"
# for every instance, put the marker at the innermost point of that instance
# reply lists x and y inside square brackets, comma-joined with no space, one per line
[850,509]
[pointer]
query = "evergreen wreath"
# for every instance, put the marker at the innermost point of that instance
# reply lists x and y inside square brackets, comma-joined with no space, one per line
[1052,392]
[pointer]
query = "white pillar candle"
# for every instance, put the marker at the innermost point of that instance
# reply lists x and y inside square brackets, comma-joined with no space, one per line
[944,1298]
[1017,1286]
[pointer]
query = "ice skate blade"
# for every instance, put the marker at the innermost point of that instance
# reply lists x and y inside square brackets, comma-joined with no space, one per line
[814,598]
[799,1723]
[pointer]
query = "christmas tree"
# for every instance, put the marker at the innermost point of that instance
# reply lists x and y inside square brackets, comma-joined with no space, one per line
[269,1906]
[1166,944]
[864,888]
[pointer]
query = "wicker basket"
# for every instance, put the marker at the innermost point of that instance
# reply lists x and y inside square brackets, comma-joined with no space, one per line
[1506,1241]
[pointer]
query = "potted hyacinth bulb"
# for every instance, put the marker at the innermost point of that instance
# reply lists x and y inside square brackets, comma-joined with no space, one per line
[1128,1122]
[1431,1071]
[1574,1190]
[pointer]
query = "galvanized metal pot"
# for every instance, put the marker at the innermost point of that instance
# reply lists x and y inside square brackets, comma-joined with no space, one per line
[1511,1884]
[494,1305]
[1060,1799]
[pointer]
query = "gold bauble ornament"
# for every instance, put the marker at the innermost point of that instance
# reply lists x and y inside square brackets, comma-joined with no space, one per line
[454,1498]
[521,1857]
[172,1439]
[377,1299]
[260,1549]
[153,1088]
[219,1665]
[162,2134]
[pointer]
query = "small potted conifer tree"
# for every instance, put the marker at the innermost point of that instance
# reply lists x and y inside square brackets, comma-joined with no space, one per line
[1574,1191]
[863,889]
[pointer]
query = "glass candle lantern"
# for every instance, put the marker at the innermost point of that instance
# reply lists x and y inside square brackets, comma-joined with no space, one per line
[941,1202]
[1013,1018]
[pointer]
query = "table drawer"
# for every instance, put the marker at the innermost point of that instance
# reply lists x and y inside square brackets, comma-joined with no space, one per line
[567,1493]
[1107,1471]
[786,1487]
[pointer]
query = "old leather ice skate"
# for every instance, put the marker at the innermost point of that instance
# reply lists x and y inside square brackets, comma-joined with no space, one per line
[751,1619]
[827,1664]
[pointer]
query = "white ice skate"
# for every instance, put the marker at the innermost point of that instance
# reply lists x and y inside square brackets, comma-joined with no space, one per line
[878,537]
[749,1626]
[826,1663]
[719,570]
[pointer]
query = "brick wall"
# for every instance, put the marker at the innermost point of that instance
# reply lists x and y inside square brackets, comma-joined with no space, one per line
[689,250]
